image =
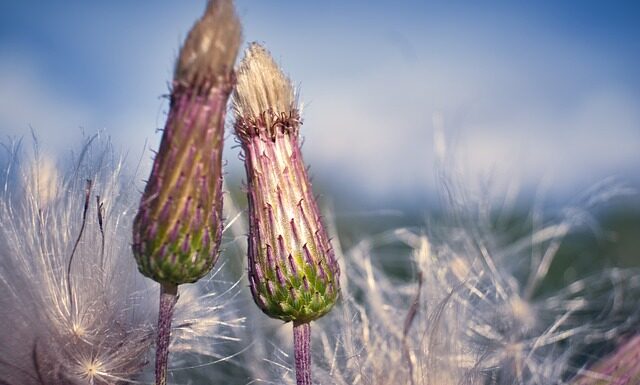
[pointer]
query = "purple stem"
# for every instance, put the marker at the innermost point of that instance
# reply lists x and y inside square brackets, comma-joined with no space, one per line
[168,299]
[302,346]
[622,367]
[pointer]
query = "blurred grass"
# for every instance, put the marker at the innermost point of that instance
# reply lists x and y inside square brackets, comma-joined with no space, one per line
[610,239]
[614,242]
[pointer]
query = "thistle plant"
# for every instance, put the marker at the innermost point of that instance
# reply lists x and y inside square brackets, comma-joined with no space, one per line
[293,272]
[176,233]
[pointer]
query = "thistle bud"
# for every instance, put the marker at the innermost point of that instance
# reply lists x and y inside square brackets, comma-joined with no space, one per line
[176,233]
[293,273]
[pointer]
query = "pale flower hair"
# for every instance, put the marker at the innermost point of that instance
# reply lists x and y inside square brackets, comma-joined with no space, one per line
[74,308]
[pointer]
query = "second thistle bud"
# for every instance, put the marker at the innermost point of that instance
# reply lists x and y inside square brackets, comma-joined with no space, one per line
[176,233]
[293,273]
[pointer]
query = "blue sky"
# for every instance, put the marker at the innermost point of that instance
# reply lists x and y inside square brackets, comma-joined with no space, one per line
[542,93]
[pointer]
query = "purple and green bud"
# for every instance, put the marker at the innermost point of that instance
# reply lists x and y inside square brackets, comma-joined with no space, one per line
[293,272]
[176,233]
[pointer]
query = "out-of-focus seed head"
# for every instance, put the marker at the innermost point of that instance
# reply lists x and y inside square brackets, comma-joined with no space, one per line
[293,273]
[68,285]
[176,233]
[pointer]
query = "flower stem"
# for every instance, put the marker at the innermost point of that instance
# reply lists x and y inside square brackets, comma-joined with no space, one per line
[168,299]
[302,347]
[621,367]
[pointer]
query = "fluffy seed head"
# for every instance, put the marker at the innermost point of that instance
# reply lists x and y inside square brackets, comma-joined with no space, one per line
[176,233]
[68,284]
[87,316]
[293,272]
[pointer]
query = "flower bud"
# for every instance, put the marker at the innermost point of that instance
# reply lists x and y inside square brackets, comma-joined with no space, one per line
[293,273]
[176,233]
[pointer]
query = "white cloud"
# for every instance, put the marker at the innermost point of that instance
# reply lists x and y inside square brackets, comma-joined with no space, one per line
[530,122]
[545,108]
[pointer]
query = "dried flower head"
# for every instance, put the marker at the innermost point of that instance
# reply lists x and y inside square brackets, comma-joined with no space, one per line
[293,273]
